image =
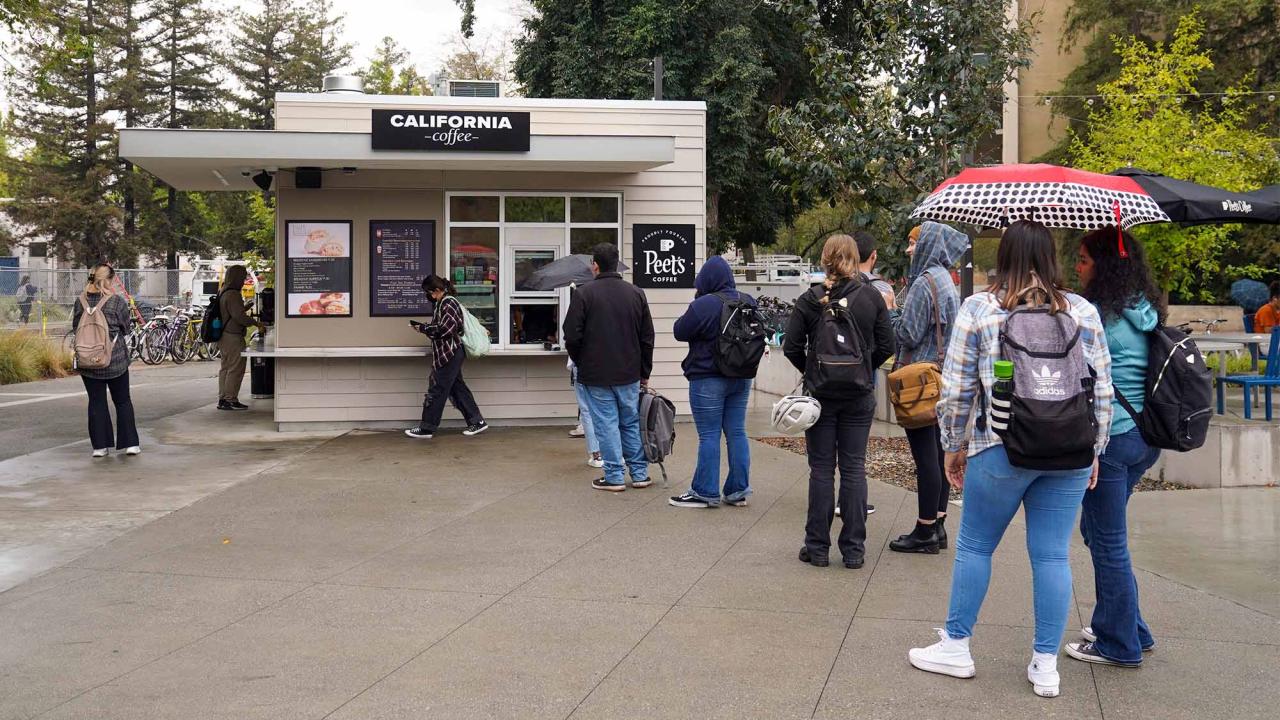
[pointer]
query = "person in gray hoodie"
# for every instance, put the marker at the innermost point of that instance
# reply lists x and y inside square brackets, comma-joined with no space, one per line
[931,300]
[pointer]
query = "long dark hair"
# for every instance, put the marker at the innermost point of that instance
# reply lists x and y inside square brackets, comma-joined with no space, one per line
[1118,282]
[1027,268]
[432,283]
[235,277]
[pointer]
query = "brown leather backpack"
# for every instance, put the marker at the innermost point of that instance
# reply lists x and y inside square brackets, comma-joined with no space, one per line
[914,387]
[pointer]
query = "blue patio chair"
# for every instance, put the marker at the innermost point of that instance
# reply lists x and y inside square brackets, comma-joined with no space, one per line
[1270,378]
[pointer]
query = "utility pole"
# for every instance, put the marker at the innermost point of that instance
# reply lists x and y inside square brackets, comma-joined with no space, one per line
[657,77]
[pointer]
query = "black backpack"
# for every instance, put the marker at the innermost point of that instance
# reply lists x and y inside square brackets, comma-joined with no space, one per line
[838,362]
[211,324]
[740,340]
[1178,399]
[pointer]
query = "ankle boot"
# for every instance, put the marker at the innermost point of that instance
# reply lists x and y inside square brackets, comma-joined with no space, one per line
[923,539]
[940,530]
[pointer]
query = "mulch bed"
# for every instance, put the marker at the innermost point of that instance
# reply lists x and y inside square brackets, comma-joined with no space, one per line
[889,460]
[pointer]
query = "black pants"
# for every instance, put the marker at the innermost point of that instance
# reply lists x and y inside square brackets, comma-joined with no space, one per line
[839,438]
[932,490]
[447,384]
[24,312]
[100,416]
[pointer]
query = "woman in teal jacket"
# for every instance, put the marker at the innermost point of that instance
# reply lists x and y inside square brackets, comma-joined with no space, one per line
[1113,269]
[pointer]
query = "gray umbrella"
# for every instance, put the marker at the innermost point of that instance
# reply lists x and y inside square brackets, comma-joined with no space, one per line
[568,270]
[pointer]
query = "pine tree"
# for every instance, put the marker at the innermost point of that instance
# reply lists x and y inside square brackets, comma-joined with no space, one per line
[316,47]
[262,59]
[62,183]
[391,73]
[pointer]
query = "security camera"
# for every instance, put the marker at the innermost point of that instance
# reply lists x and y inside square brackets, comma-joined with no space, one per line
[263,180]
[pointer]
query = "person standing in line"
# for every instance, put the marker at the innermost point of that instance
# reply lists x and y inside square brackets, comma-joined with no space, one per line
[931,303]
[869,253]
[99,297]
[1268,316]
[235,323]
[585,428]
[977,462]
[25,295]
[1128,300]
[719,403]
[839,438]
[447,356]
[608,332]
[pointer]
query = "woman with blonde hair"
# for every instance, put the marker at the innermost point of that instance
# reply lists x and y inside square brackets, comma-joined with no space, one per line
[837,336]
[99,297]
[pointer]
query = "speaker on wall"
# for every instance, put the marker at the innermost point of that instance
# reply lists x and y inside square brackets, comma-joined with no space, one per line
[307,178]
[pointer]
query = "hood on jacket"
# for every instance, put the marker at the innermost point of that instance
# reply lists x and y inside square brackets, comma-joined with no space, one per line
[938,246]
[1142,316]
[715,276]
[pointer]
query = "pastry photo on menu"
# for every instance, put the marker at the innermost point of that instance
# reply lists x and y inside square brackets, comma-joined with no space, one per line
[317,239]
[320,303]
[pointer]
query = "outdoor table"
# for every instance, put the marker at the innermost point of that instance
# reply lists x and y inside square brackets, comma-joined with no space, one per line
[1254,341]
[1218,345]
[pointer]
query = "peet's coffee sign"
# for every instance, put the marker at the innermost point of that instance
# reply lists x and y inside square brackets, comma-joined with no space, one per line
[663,256]
[454,131]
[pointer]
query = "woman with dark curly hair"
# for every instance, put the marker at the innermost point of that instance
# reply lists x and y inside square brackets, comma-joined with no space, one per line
[1113,269]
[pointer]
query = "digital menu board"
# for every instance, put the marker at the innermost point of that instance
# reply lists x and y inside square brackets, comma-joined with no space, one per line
[318,268]
[401,254]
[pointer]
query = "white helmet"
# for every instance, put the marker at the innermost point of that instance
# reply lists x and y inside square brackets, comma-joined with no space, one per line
[794,414]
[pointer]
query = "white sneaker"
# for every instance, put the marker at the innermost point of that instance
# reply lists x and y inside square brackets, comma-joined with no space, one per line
[948,656]
[135,450]
[1088,634]
[1042,673]
[595,462]
[578,431]
[101,452]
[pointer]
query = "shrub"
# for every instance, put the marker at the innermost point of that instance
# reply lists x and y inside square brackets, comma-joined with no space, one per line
[26,356]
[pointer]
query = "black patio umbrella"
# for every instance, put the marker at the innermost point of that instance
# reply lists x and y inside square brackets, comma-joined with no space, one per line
[568,270]
[1194,204]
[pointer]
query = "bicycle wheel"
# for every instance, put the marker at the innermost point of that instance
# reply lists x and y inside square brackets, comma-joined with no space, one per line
[215,352]
[179,349]
[154,346]
[69,341]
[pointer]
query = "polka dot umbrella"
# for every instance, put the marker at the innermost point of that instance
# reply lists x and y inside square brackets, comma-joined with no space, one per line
[1056,196]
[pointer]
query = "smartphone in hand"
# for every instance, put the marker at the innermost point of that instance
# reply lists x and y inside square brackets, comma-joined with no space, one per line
[416,325]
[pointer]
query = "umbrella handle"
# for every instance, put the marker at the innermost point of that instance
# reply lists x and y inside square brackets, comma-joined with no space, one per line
[1115,207]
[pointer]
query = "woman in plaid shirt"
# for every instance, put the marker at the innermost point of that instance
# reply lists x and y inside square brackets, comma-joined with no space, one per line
[447,356]
[995,489]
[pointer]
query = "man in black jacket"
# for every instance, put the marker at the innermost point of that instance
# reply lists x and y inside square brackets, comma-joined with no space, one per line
[609,334]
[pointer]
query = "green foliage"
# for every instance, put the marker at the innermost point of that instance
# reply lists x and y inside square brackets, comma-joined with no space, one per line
[391,73]
[1143,121]
[13,12]
[903,89]
[26,356]
[804,235]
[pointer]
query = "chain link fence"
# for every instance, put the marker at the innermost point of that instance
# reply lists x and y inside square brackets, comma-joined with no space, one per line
[43,299]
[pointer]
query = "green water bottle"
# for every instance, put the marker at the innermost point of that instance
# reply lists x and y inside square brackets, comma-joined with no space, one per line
[1002,396]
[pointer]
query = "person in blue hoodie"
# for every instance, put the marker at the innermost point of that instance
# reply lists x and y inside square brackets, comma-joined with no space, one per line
[1113,270]
[719,403]
[933,251]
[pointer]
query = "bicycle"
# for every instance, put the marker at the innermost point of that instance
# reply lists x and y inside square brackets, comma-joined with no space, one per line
[1209,325]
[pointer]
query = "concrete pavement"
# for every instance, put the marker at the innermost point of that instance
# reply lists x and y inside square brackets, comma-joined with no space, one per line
[370,576]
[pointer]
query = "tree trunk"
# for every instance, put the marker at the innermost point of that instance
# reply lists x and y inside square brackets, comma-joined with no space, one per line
[88,31]
[171,211]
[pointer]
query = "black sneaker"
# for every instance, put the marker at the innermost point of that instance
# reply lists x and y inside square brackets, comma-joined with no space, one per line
[224,405]
[688,500]
[419,433]
[854,563]
[476,429]
[1088,652]
[237,405]
[871,509]
[600,484]
[1089,636]
[641,484]
[740,502]
[813,560]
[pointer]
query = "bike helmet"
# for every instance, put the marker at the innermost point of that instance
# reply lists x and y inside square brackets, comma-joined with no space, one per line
[794,414]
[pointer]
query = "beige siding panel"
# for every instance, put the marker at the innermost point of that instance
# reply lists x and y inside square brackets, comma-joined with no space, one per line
[416,383]
[676,193]
[409,414]
[483,398]
[695,208]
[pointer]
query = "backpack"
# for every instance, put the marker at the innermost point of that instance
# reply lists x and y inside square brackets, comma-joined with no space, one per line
[211,324]
[657,428]
[837,363]
[1051,424]
[475,339]
[93,343]
[1178,398]
[740,341]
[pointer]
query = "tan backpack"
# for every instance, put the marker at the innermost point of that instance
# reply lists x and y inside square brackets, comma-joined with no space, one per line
[94,343]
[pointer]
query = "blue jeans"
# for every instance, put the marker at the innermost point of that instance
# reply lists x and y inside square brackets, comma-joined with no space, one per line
[584,414]
[993,491]
[1117,621]
[719,405]
[615,417]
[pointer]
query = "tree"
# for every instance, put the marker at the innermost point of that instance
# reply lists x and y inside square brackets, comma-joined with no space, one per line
[391,73]
[13,12]
[740,56]
[62,183]
[1144,120]
[315,47]
[904,88]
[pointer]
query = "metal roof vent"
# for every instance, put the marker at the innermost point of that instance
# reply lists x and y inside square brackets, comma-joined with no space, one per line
[475,88]
[343,84]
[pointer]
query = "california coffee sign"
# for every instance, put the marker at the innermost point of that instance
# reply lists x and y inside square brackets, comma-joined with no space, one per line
[450,130]
[663,256]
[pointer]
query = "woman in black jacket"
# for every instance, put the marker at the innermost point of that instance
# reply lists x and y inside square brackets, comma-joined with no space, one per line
[99,297]
[840,435]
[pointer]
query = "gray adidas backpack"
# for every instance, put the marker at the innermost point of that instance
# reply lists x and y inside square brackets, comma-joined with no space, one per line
[1051,424]
[657,428]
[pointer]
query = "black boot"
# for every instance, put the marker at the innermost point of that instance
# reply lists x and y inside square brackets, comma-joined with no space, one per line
[923,539]
[940,529]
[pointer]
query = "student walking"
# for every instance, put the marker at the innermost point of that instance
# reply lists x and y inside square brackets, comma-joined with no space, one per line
[719,403]
[235,323]
[25,296]
[928,314]
[102,322]
[447,357]
[1041,460]
[1128,300]
[838,334]
[608,332]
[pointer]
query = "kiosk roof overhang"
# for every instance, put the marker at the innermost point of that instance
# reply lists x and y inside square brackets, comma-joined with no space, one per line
[225,159]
